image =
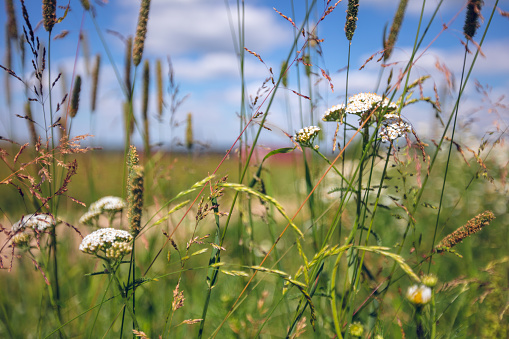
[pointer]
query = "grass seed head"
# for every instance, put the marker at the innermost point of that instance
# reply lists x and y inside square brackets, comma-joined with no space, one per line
[159,75]
[472,18]
[49,8]
[141,32]
[474,225]
[85,4]
[396,26]
[95,81]
[351,18]
[189,132]
[75,100]
[12,30]
[135,198]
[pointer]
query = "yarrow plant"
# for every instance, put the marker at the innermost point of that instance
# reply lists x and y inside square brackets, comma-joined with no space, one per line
[108,205]
[307,135]
[393,127]
[358,104]
[113,243]
[37,222]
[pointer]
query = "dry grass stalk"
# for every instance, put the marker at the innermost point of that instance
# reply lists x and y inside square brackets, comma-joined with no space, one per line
[127,69]
[49,16]
[12,30]
[472,18]
[159,76]
[31,123]
[146,86]
[474,225]
[396,26]
[75,99]
[189,132]
[141,32]
[95,81]
[351,18]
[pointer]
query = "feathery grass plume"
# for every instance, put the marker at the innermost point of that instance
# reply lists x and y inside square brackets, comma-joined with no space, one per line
[12,29]
[127,69]
[284,73]
[31,123]
[75,100]
[134,191]
[159,76]
[474,225]
[351,18]
[189,132]
[85,4]
[472,18]
[396,26]
[141,32]
[146,85]
[95,81]
[49,15]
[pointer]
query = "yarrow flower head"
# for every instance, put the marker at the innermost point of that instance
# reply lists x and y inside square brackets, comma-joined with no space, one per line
[358,104]
[37,222]
[393,127]
[307,135]
[419,295]
[108,204]
[110,242]
[356,329]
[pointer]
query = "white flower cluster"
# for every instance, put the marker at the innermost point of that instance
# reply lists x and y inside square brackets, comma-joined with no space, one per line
[108,204]
[358,104]
[114,243]
[307,135]
[37,222]
[419,295]
[393,127]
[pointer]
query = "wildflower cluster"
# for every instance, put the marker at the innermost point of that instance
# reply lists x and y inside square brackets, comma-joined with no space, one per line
[112,242]
[107,204]
[37,222]
[393,127]
[307,135]
[358,104]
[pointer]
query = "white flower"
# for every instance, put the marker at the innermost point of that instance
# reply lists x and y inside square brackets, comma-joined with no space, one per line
[112,242]
[358,104]
[37,222]
[335,113]
[109,203]
[393,127]
[419,295]
[88,217]
[307,135]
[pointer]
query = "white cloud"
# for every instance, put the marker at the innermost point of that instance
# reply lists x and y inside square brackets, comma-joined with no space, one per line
[182,27]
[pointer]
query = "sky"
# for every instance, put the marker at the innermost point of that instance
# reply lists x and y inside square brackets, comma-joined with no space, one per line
[201,38]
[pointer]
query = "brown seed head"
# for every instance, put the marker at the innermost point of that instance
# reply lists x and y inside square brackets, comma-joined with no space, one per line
[49,8]
[141,32]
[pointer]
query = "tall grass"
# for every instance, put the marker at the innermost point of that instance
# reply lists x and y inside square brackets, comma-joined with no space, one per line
[198,245]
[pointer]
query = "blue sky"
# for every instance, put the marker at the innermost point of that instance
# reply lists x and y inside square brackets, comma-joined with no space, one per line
[197,35]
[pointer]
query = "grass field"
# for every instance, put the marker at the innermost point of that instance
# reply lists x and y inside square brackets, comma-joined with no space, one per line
[389,236]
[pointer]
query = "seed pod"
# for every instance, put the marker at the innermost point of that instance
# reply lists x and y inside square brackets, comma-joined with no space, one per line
[472,18]
[75,100]
[49,8]
[141,32]
[351,18]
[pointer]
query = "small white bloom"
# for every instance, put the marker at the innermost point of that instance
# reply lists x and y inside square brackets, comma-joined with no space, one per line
[112,242]
[37,222]
[108,203]
[419,295]
[307,135]
[393,127]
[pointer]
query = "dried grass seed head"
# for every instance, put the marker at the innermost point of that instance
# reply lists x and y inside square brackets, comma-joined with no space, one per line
[141,32]
[472,18]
